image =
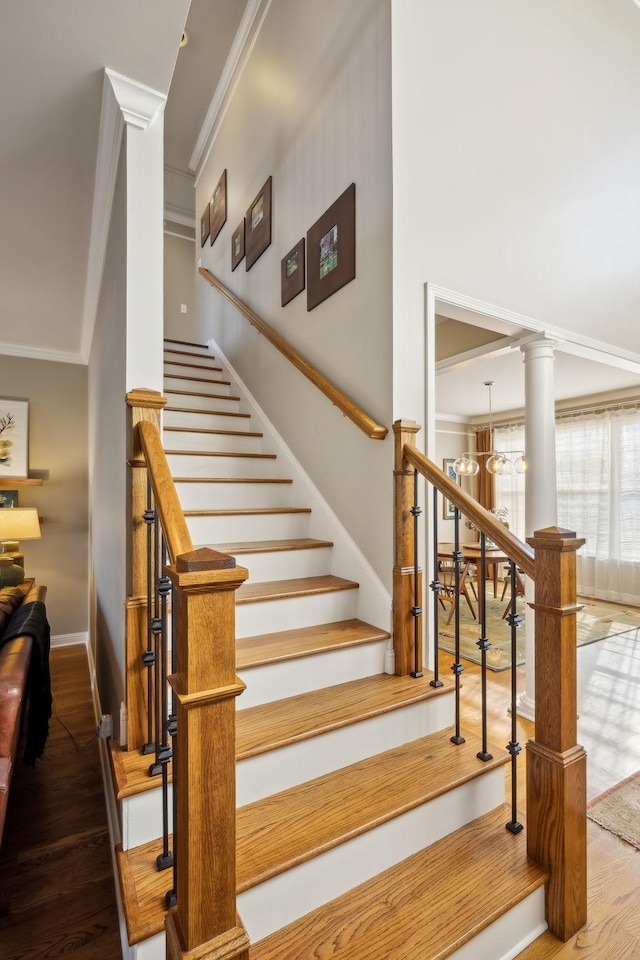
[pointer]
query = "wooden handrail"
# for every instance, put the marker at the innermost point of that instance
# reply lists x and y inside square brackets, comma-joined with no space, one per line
[522,555]
[375,431]
[174,525]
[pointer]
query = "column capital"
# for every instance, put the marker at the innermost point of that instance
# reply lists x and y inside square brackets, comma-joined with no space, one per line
[539,348]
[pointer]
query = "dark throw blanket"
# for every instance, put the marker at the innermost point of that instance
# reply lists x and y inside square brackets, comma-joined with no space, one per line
[31,620]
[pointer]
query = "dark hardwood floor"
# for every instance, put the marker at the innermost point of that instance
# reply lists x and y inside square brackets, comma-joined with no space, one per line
[57,894]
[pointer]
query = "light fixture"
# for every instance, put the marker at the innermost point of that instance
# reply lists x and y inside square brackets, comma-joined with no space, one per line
[499,462]
[18,523]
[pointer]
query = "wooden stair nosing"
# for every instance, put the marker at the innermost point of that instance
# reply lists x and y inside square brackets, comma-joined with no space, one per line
[194,366]
[217,453]
[184,343]
[246,512]
[270,726]
[186,376]
[197,393]
[215,413]
[268,648]
[231,479]
[286,589]
[420,907]
[211,430]
[269,546]
[188,353]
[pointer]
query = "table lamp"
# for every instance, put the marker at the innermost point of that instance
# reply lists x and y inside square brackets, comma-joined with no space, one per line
[16,524]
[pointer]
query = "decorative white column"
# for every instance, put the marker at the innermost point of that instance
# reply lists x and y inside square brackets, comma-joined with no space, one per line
[540,489]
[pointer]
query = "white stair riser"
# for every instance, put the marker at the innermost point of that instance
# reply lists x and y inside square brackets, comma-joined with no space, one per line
[285,564]
[142,817]
[206,383]
[267,773]
[279,901]
[290,678]
[188,465]
[232,496]
[223,442]
[508,936]
[194,367]
[240,528]
[271,616]
[206,421]
[214,402]
[152,949]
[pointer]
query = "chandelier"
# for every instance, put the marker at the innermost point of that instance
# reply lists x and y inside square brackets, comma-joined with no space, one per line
[499,463]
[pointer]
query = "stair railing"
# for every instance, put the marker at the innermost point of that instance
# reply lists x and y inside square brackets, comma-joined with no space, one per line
[202,901]
[375,431]
[556,764]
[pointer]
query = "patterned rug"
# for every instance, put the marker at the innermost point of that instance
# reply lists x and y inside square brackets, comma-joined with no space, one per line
[618,810]
[597,620]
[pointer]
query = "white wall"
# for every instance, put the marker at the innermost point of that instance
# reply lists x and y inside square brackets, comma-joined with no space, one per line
[312,109]
[179,287]
[516,157]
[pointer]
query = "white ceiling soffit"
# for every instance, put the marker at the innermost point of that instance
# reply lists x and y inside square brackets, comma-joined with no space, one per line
[250,26]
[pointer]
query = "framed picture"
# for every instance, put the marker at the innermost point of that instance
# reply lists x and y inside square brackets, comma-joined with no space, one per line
[8,498]
[331,249]
[14,437]
[218,207]
[204,226]
[448,508]
[258,225]
[237,245]
[292,272]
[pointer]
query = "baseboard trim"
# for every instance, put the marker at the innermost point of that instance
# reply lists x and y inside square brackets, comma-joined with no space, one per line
[68,639]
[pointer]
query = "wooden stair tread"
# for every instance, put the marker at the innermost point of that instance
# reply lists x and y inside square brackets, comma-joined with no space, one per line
[217,453]
[195,366]
[269,546]
[231,479]
[193,393]
[143,889]
[304,641]
[216,413]
[186,376]
[277,833]
[211,430]
[418,908]
[246,512]
[130,772]
[188,353]
[300,587]
[184,343]
[270,726]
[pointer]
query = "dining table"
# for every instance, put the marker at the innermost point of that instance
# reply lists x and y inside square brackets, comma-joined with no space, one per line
[471,555]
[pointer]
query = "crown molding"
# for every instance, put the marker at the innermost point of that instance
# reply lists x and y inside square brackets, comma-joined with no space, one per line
[180,215]
[243,43]
[176,172]
[123,102]
[29,352]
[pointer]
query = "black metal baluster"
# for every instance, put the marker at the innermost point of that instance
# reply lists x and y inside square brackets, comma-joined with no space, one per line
[483,644]
[165,859]
[436,587]
[171,895]
[155,768]
[457,667]
[416,610]
[514,620]
[148,657]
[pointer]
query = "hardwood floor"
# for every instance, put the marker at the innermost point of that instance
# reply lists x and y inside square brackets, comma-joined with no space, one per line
[57,895]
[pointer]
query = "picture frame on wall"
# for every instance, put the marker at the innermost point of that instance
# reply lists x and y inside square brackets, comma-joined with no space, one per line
[204,226]
[331,249]
[292,272]
[218,207]
[14,437]
[448,508]
[237,245]
[8,498]
[258,225]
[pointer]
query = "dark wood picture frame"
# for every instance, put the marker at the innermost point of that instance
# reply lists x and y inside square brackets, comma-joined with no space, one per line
[292,272]
[257,234]
[204,226]
[237,245]
[448,508]
[331,249]
[218,207]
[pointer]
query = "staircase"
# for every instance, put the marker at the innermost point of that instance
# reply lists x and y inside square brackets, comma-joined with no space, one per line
[362,830]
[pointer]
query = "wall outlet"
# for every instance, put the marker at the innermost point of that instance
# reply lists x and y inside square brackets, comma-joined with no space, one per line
[183,308]
[105,727]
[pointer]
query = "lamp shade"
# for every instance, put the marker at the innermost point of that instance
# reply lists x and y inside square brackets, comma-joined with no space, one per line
[19,523]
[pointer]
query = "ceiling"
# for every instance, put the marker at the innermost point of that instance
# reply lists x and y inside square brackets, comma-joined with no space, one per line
[52,57]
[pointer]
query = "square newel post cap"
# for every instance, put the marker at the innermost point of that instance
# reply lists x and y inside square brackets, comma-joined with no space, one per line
[204,566]
[555,538]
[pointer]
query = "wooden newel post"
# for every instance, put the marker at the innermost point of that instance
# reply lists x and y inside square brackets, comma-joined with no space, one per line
[142,405]
[203,925]
[556,764]
[403,569]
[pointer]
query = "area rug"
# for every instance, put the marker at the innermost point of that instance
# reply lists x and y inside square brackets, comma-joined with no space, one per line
[596,621]
[618,810]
